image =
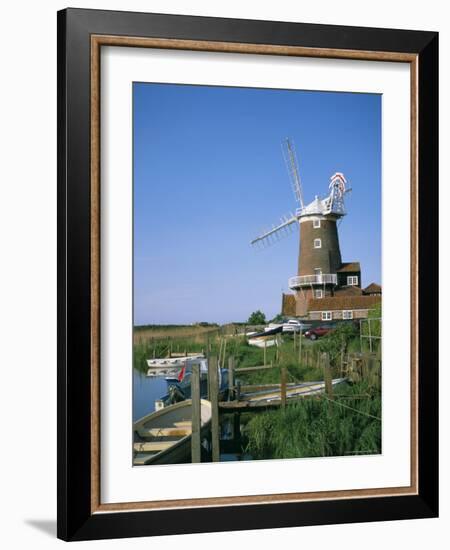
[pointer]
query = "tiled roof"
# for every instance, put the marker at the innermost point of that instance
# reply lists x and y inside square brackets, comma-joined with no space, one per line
[348,291]
[372,289]
[332,303]
[349,267]
[288,305]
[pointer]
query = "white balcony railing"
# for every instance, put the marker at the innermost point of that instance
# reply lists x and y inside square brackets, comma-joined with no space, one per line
[307,280]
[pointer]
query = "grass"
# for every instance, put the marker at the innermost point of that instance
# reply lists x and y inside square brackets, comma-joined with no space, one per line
[312,427]
[157,343]
[318,427]
[177,342]
[149,333]
[250,356]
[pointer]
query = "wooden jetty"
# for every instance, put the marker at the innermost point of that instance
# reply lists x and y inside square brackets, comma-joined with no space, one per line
[275,396]
[194,431]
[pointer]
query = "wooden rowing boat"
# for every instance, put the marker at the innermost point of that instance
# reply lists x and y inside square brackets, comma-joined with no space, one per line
[164,436]
[292,391]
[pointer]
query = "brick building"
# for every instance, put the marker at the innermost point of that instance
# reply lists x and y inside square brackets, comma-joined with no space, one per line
[325,287]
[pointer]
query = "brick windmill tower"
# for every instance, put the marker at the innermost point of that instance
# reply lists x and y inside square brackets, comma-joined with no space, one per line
[320,269]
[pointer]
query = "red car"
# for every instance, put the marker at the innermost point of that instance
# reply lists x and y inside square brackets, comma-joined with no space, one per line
[317,332]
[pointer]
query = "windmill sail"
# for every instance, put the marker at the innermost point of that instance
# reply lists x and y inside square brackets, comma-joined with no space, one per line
[276,232]
[292,167]
[333,204]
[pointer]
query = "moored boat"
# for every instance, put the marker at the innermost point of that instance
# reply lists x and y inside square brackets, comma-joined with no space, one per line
[292,392]
[179,390]
[164,437]
[170,367]
[262,342]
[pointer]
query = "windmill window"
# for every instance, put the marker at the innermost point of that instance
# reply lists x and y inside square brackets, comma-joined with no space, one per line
[317,243]
[327,316]
[352,280]
[347,314]
[316,224]
[318,293]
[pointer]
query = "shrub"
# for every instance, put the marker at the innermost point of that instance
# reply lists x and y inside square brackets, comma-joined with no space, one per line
[257,318]
[337,341]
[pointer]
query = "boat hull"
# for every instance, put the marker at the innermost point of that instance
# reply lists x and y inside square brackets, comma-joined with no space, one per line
[159,439]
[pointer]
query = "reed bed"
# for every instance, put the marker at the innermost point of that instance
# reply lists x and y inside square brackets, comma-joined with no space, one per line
[318,427]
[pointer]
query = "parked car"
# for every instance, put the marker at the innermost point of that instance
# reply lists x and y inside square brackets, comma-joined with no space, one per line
[294,325]
[318,331]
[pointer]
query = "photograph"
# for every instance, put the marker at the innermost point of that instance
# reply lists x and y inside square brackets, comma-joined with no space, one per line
[257,274]
[247,273]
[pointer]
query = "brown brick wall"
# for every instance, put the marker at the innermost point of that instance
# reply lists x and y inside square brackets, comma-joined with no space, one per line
[288,305]
[303,298]
[337,314]
[328,257]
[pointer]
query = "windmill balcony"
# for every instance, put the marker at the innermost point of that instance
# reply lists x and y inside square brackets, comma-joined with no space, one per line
[308,280]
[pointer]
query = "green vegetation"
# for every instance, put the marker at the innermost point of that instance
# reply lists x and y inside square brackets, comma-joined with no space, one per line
[282,356]
[278,318]
[319,427]
[374,330]
[257,318]
[339,341]
[307,428]
[313,427]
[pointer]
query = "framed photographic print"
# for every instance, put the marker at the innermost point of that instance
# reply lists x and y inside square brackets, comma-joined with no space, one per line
[213,375]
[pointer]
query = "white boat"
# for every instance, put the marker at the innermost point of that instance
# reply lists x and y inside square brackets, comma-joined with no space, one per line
[271,326]
[173,361]
[294,325]
[170,367]
[164,436]
[262,342]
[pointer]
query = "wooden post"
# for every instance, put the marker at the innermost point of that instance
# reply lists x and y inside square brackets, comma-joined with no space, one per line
[236,427]
[283,387]
[214,398]
[238,390]
[352,369]
[359,368]
[371,371]
[360,336]
[365,369]
[370,335]
[265,345]
[377,373]
[327,375]
[196,415]
[230,377]
[220,350]
[300,346]
[224,353]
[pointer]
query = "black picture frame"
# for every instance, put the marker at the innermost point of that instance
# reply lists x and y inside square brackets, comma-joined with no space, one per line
[75,518]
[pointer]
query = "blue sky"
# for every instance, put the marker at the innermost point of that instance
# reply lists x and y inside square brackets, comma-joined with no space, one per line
[209,175]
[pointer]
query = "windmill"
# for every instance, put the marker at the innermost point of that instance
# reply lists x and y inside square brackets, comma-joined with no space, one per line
[319,258]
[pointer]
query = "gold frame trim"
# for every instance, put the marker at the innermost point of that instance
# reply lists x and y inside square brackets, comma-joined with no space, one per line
[97,41]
